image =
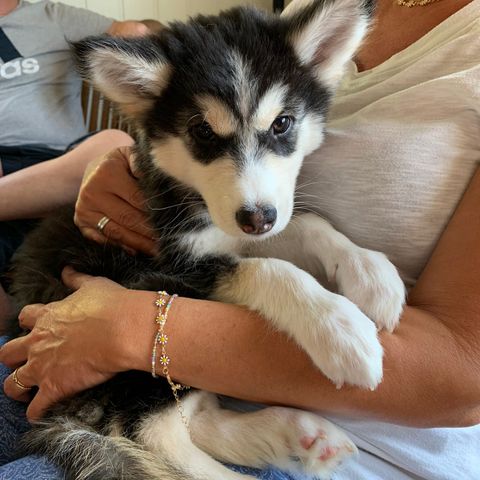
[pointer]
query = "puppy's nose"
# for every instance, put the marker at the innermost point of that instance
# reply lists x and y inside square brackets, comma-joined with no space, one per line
[257,220]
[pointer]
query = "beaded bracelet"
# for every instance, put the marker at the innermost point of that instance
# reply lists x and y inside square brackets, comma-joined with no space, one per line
[162,339]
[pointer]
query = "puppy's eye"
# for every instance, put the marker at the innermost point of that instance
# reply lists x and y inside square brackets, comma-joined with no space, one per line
[202,132]
[281,125]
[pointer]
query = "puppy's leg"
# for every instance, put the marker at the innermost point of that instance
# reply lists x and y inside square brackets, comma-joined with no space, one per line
[164,434]
[365,277]
[292,440]
[338,337]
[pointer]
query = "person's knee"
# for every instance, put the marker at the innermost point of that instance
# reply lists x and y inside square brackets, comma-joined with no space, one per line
[94,146]
[113,138]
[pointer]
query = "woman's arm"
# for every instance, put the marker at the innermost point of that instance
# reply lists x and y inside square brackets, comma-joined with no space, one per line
[103,329]
[429,379]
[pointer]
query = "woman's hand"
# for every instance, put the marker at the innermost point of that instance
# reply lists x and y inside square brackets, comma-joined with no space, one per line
[109,189]
[79,342]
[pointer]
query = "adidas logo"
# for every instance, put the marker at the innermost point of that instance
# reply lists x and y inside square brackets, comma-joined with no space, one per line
[19,66]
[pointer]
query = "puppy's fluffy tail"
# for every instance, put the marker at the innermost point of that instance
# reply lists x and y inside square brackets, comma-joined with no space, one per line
[84,454]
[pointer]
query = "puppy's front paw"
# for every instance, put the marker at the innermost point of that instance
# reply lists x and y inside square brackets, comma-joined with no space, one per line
[309,444]
[372,282]
[343,343]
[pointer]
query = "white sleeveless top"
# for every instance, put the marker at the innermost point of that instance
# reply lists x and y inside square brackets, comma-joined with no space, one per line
[403,142]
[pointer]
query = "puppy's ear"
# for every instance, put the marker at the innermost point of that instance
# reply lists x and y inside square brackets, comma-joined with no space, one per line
[326,33]
[130,72]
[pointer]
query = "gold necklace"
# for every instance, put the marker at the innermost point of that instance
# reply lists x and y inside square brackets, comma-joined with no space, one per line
[414,3]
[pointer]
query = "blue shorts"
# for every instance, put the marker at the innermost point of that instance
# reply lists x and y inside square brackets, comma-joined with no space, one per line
[18,157]
[13,423]
[13,159]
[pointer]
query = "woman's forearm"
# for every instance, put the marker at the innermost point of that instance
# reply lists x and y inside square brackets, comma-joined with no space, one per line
[229,350]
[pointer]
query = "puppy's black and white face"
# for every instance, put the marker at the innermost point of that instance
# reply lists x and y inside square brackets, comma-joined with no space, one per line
[230,105]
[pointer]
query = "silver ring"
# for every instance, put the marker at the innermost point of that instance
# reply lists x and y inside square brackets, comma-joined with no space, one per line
[101,224]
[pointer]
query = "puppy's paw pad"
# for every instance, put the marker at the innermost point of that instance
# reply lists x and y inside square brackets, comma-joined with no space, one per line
[328,453]
[316,446]
[324,455]
[308,442]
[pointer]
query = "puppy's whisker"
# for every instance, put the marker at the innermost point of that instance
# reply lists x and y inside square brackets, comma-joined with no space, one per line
[176,205]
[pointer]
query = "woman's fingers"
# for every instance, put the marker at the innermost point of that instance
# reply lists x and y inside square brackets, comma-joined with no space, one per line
[87,215]
[131,240]
[110,190]
[73,279]
[113,174]
[126,187]
[38,406]
[75,343]
[29,314]
[18,386]
[132,166]
[93,234]
[15,352]
[127,217]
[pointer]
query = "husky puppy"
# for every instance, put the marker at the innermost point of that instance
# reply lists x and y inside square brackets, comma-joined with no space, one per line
[226,108]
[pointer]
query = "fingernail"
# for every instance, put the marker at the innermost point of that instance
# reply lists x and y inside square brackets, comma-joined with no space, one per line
[130,251]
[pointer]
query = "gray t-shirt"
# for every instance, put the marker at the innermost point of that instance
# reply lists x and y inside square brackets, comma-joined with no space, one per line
[39,89]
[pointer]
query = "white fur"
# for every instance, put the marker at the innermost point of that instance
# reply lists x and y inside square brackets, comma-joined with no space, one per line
[163,433]
[128,79]
[331,37]
[271,182]
[310,133]
[272,436]
[211,240]
[365,277]
[244,86]
[270,107]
